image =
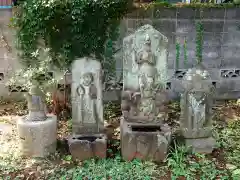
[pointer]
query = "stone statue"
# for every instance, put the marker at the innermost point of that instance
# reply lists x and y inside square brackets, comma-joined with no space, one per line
[143,132]
[36,104]
[87,104]
[196,105]
[147,77]
[144,96]
[87,93]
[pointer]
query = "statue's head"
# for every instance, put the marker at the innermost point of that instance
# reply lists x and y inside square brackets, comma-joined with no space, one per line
[197,80]
[87,79]
[197,83]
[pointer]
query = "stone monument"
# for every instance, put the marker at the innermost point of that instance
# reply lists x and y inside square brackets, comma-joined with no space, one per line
[37,130]
[196,110]
[144,76]
[87,110]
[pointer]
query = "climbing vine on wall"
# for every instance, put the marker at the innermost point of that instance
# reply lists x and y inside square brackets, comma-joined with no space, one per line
[177,53]
[199,42]
[185,52]
[70,28]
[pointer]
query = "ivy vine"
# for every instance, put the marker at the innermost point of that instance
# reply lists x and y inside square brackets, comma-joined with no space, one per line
[185,52]
[177,53]
[199,42]
[69,28]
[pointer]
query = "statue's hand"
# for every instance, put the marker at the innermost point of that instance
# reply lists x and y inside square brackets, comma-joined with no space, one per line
[136,96]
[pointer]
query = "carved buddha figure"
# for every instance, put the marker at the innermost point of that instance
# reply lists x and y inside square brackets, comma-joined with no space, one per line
[197,106]
[196,100]
[87,94]
[147,92]
[146,78]
[145,55]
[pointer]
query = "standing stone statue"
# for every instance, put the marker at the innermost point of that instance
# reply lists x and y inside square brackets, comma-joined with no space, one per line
[87,105]
[196,110]
[38,130]
[143,132]
[147,78]
[87,94]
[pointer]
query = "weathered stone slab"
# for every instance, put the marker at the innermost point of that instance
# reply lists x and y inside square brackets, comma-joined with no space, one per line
[87,102]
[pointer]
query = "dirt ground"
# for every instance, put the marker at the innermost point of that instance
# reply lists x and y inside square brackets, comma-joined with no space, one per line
[10,112]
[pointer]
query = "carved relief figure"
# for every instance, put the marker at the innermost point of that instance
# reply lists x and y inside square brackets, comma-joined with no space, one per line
[198,108]
[196,102]
[87,94]
[87,102]
[144,61]
[146,78]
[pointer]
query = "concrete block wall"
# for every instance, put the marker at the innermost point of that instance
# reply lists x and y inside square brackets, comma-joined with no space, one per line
[221,42]
[8,55]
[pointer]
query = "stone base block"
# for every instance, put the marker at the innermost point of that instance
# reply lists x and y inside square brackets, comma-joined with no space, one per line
[197,133]
[78,128]
[143,141]
[37,138]
[84,147]
[203,145]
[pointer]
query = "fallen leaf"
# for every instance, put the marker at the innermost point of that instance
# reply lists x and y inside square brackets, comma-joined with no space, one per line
[231,167]
[236,172]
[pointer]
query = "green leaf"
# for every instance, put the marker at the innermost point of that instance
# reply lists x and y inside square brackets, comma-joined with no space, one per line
[68,158]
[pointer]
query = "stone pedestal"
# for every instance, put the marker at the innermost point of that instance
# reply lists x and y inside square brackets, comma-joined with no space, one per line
[84,147]
[38,138]
[203,145]
[87,128]
[144,141]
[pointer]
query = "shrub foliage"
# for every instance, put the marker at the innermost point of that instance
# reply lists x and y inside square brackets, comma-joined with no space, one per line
[69,28]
